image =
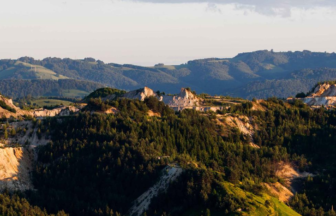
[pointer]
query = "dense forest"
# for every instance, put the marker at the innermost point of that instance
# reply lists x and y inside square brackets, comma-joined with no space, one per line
[98,164]
[259,74]
[298,81]
[37,88]
[13,204]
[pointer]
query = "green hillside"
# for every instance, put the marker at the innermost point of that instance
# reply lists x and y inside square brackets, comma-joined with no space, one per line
[50,102]
[246,75]
[41,72]
[110,160]
[38,88]
[100,164]
[104,92]
[23,70]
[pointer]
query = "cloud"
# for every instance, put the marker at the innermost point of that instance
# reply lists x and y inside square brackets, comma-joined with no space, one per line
[213,8]
[266,7]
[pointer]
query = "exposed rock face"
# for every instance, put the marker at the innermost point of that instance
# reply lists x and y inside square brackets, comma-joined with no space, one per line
[8,101]
[61,111]
[289,173]
[15,165]
[185,99]
[324,94]
[140,94]
[170,173]
[245,125]
[111,110]
[7,114]
[29,137]
[279,191]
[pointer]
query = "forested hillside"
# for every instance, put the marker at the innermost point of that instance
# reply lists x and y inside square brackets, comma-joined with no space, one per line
[259,74]
[108,160]
[298,81]
[98,164]
[37,88]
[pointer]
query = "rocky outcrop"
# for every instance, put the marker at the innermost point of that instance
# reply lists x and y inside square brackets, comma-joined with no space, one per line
[111,110]
[140,94]
[16,162]
[320,101]
[61,111]
[185,99]
[141,204]
[30,137]
[245,125]
[279,191]
[15,166]
[322,95]
[4,113]
[289,174]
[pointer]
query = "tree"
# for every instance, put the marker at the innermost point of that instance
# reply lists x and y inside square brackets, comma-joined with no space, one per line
[300,95]
[6,134]
[267,203]
[13,132]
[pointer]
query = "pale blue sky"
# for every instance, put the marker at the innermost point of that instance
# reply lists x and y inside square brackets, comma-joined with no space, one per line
[146,32]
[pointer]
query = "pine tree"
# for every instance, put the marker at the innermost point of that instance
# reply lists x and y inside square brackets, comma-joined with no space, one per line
[6,134]
[207,212]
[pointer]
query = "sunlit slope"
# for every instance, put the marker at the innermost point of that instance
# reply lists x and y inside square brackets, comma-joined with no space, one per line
[257,205]
[42,72]
[24,70]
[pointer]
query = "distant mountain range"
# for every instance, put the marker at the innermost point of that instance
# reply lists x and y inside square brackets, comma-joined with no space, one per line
[257,74]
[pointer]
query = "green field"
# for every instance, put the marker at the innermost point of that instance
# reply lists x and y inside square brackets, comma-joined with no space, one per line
[40,71]
[50,102]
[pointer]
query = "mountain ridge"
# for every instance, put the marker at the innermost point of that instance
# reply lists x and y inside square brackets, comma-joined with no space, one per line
[246,75]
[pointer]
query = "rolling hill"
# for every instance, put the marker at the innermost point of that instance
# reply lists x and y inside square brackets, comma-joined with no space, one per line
[57,88]
[256,74]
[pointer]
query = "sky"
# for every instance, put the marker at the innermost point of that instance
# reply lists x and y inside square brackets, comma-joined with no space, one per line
[147,32]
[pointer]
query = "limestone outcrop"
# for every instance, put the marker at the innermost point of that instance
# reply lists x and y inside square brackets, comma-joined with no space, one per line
[15,166]
[185,99]
[141,204]
[59,111]
[322,95]
[140,94]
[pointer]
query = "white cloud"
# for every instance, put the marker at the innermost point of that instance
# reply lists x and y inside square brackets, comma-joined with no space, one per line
[213,8]
[266,7]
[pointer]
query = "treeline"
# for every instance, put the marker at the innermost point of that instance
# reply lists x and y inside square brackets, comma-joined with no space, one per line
[104,92]
[14,205]
[37,88]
